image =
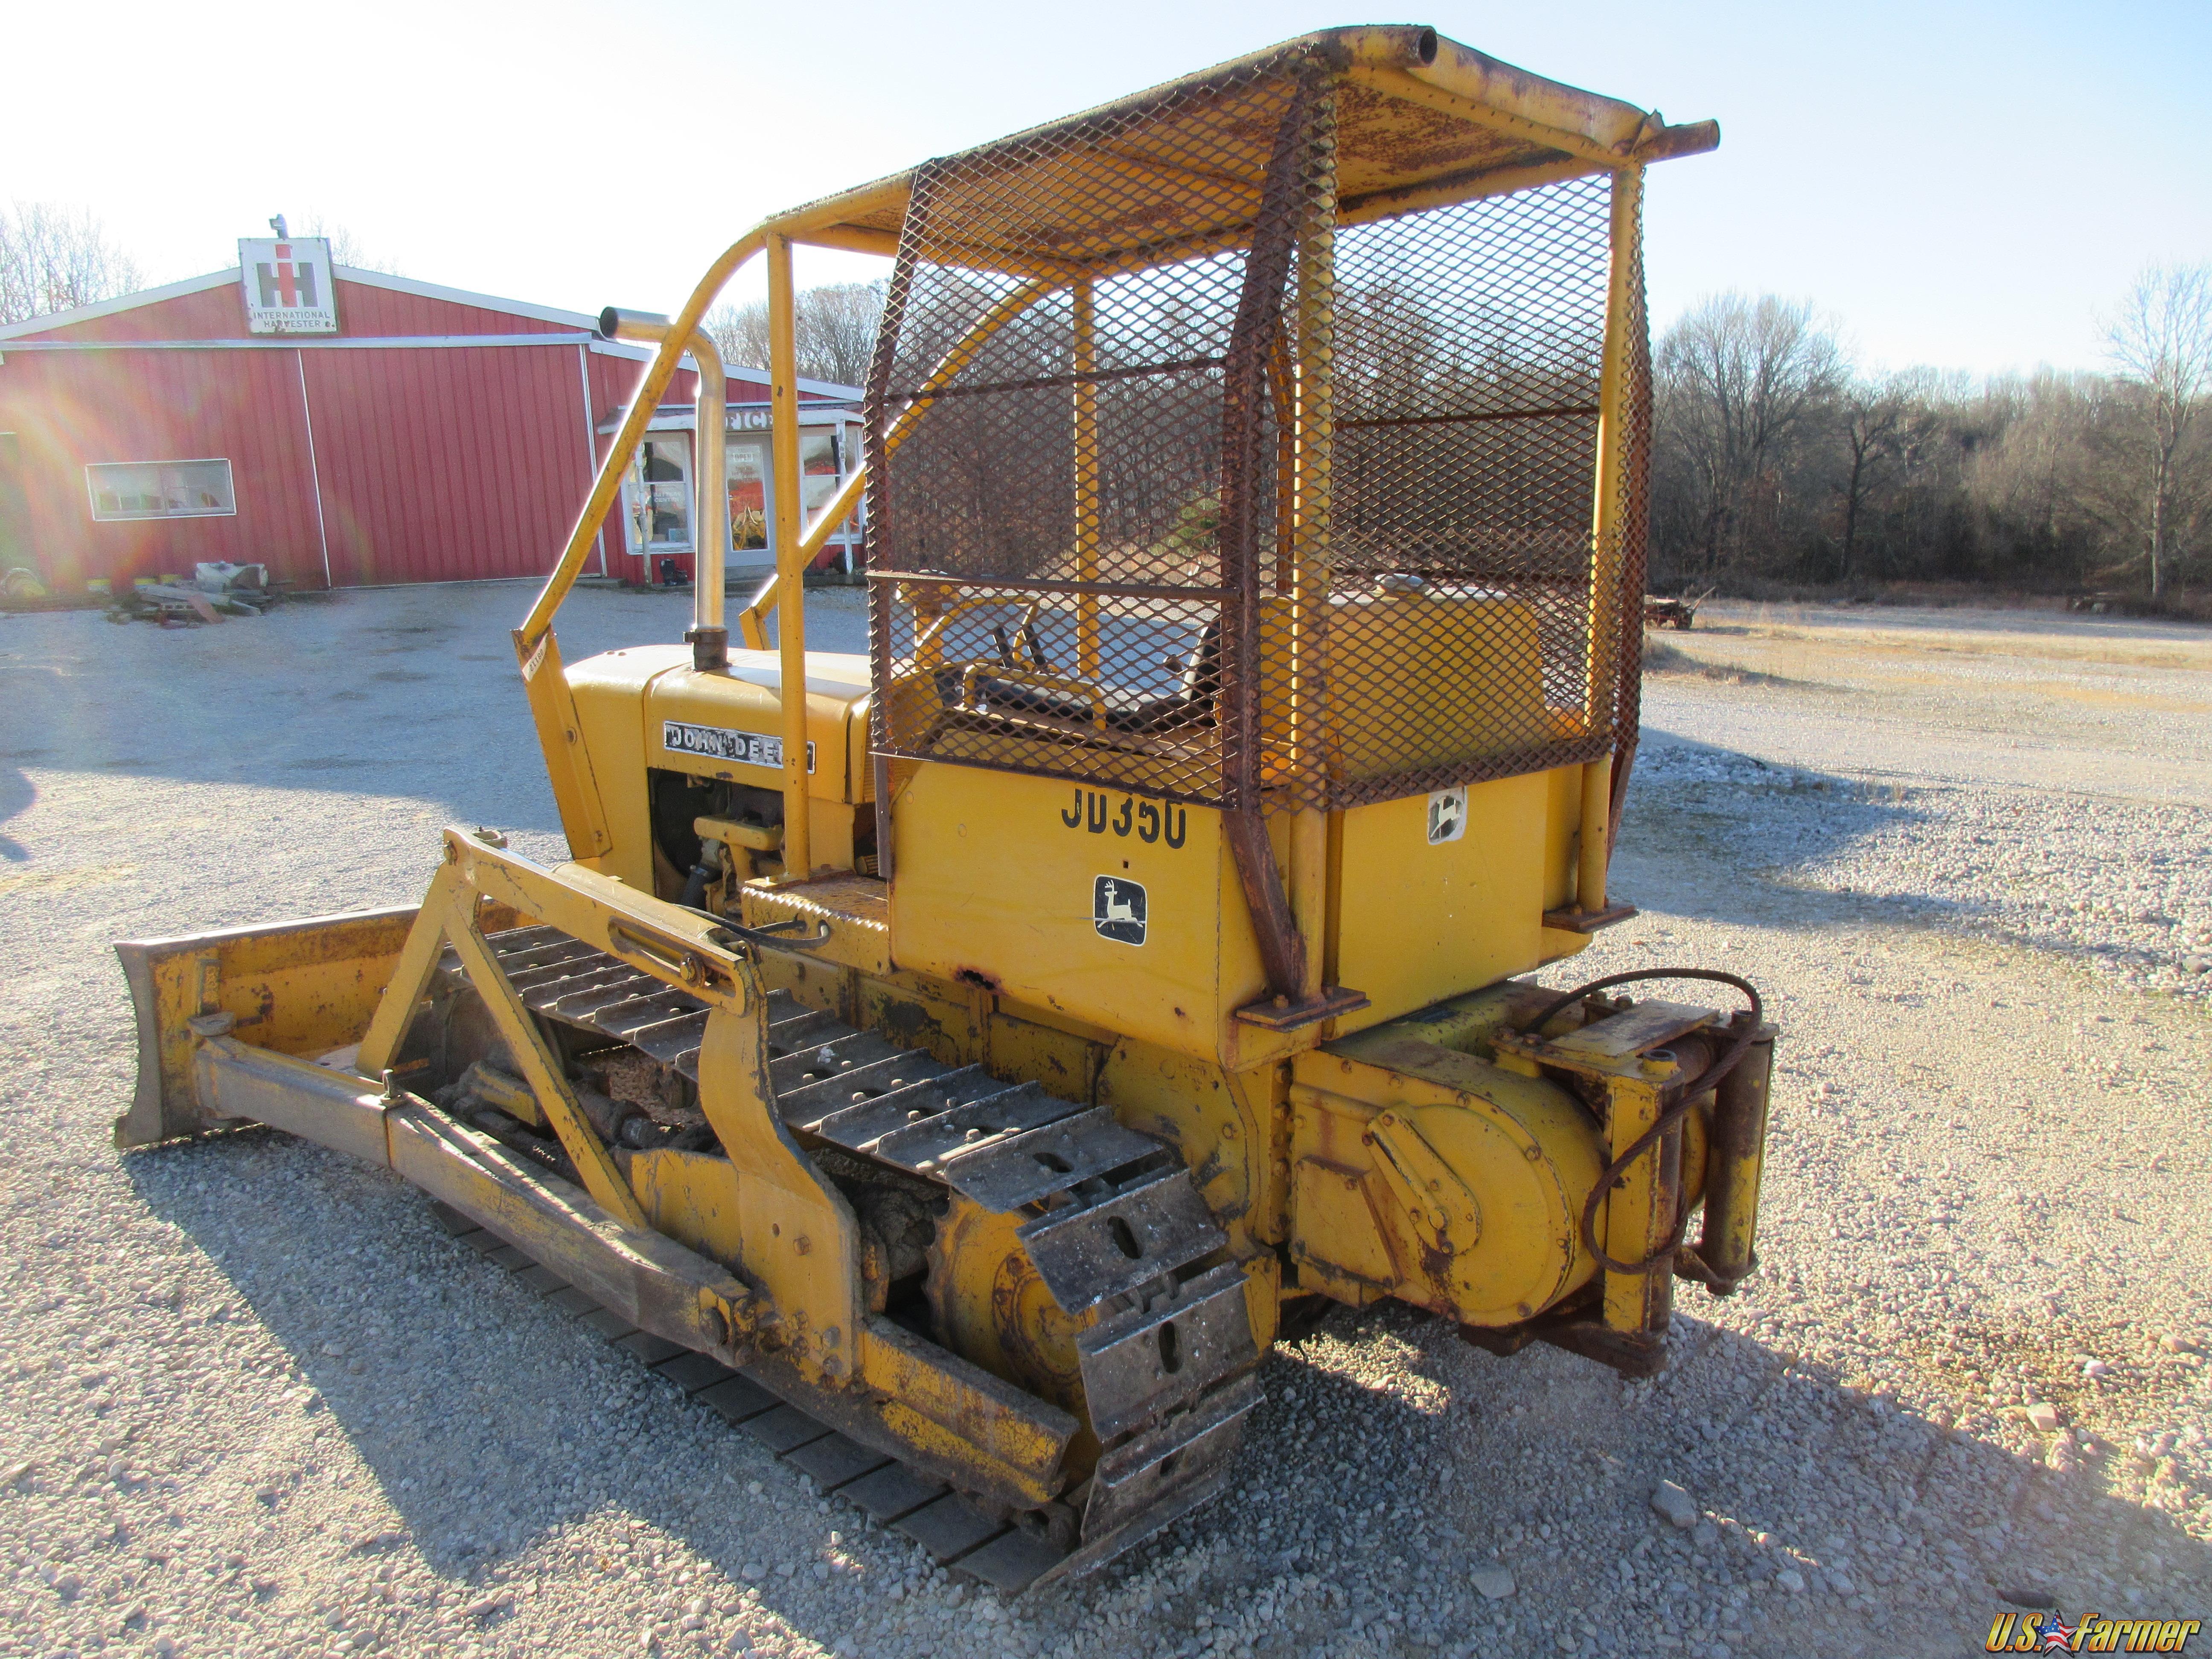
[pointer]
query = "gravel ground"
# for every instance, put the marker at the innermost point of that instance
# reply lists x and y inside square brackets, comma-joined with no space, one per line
[252,1399]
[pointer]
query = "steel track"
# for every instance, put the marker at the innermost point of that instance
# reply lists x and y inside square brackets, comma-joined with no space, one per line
[1112,1225]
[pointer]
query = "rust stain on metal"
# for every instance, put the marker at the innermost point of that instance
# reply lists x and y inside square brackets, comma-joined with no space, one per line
[910,1024]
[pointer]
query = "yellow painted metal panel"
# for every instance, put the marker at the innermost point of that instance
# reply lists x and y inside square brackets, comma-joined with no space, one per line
[1187,1102]
[748,698]
[1263,1297]
[1064,1064]
[306,986]
[860,774]
[692,1197]
[624,700]
[826,986]
[1334,1227]
[1559,942]
[799,1239]
[957,1413]
[855,909]
[1418,921]
[1230,1128]
[945,1021]
[608,690]
[1481,1228]
[831,826]
[1475,1176]
[958,912]
[1563,817]
[568,759]
[1468,1024]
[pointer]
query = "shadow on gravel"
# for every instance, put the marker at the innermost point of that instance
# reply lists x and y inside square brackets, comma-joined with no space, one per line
[1716,834]
[1829,1520]
[488,1423]
[1735,831]
[16,794]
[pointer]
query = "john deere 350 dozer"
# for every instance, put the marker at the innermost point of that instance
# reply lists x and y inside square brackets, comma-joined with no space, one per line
[962,1071]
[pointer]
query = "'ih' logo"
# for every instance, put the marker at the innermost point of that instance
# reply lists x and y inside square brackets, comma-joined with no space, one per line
[285,283]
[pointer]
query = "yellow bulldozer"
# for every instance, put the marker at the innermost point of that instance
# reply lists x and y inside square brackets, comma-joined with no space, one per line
[959,1066]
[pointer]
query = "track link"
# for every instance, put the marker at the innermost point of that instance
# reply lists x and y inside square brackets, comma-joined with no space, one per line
[1114,1224]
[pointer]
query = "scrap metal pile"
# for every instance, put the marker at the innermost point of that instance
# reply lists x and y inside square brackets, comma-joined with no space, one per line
[216,591]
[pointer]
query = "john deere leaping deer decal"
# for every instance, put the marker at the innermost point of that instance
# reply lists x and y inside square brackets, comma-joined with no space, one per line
[1117,909]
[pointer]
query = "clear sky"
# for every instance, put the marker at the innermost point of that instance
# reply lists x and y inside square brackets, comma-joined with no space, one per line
[1962,184]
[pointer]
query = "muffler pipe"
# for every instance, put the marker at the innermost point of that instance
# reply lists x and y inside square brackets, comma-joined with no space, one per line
[709,637]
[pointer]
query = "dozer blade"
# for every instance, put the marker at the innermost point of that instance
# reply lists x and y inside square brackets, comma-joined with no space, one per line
[305,989]
[296,1026]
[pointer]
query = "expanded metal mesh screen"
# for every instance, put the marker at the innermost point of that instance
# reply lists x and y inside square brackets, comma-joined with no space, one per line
[1629,541]
[1179,485]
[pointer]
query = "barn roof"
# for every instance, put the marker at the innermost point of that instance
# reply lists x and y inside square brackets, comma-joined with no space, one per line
[77,330]
[37,327]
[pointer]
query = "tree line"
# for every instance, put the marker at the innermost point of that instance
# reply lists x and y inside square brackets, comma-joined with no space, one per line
[54,258]
[1776,461]
[833,331]
[57,259]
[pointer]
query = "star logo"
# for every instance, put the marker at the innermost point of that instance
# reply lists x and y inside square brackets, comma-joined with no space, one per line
[2058,1636]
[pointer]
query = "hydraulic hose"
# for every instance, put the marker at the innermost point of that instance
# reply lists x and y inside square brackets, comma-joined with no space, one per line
[695,886]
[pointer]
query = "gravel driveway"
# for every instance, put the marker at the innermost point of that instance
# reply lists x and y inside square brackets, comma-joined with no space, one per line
[253,1401]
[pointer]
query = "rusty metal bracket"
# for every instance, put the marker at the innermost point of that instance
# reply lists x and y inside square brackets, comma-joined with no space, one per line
[1587,922]
[779,935]
[1281,1013]
[1633,1354]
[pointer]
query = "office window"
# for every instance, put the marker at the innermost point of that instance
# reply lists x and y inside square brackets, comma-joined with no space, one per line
[160,489]
[748,481]
[665,462]
[818,470]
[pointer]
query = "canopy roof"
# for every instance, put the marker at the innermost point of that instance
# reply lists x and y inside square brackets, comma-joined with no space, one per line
[1421,121]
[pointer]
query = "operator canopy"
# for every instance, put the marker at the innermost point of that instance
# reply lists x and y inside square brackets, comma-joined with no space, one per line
[1241,437]
[1420,120]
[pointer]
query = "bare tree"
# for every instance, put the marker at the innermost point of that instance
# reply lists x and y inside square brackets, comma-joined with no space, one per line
[52,258]
[1738,380]
[1770,465]
[833,329]
[2029,474]
[2161,342]
[346,248]
[1873,414]
[740,333]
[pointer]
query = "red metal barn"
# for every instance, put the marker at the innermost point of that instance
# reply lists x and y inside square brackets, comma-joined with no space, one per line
[421,434]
